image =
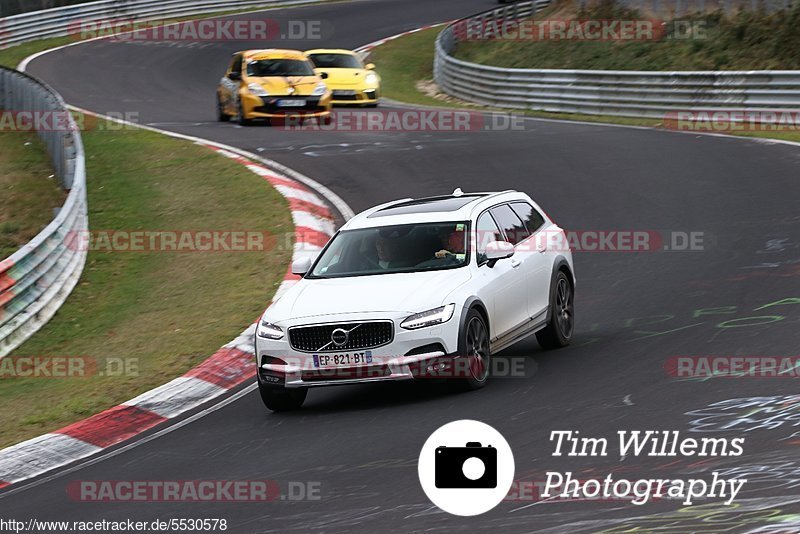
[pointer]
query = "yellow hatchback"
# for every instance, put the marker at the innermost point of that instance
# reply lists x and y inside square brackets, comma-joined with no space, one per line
[351,81]
[272,84]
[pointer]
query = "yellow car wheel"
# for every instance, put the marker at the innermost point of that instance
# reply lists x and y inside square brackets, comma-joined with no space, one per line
[241,118]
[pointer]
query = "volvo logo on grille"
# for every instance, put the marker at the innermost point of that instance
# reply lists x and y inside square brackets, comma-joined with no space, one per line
[340,337]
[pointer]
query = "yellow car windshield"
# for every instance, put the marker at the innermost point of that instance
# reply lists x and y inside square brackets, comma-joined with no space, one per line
[335,61]
[279,67]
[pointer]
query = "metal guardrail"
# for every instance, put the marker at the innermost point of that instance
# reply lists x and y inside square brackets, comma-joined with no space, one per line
[604,92]
[37,278]
[58,22]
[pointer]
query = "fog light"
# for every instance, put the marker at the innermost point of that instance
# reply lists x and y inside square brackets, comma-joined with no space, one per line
[436,367]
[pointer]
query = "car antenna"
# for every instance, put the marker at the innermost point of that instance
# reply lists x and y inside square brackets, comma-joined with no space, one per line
[458,192]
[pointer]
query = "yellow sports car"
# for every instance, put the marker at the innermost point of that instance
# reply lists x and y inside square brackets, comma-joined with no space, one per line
[351,81]
[272,84]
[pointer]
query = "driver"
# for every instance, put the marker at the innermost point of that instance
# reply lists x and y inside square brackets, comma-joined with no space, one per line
[452,241]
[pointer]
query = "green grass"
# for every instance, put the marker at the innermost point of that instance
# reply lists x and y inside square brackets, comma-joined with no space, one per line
[743,41]
[11,57]
[406,68]
[28,190]
[166,310]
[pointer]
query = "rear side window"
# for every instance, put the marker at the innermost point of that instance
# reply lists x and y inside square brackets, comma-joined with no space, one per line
[511,225]
[533,219]
[487,231]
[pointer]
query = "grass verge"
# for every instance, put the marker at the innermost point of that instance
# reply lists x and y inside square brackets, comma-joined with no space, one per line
[163,311]
[744,40]
[406,68]
[28,190]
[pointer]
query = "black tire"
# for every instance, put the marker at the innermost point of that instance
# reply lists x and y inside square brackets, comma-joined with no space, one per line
[221,115]
[559,329]
[241,119]
[474,352]
[281,399]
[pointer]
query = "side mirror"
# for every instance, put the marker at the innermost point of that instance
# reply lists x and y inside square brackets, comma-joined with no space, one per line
[235,76]
[498,250]
[323,75]
[370,66]
[301,266]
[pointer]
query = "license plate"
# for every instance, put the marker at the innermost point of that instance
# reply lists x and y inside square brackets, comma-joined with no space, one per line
[344,92]
[347,358]
[291,103]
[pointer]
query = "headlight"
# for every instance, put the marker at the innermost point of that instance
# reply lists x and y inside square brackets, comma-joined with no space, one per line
[429,318]
[269,330]
[371,78]
[257,90]
[320,89]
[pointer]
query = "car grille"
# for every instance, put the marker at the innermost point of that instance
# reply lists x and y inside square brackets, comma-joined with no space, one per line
[364,335]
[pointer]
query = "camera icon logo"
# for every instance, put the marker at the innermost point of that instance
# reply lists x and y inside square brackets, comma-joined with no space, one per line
[466,467]
[472,466]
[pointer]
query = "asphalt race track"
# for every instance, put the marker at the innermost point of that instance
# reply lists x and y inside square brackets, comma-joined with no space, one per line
[635,310]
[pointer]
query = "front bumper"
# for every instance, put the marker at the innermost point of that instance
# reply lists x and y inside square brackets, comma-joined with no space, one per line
[355,97]
[412,354]
[268,107]
[404,368]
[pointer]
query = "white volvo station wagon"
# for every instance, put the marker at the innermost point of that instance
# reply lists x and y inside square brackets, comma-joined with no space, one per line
[419,288]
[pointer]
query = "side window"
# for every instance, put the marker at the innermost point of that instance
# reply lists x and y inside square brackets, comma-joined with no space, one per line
[236,64]
[512,226]
[486,231]
[533,219]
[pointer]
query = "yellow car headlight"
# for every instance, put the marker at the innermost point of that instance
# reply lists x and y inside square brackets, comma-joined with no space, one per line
[257,90]
[371,78]
[320,89]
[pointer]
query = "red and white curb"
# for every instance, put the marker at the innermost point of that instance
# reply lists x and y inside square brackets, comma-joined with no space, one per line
[229,367]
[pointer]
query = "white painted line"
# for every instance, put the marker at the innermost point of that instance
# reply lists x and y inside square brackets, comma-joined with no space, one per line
[309,220]
[176,396]
[141,441]
[291,192]
[41,454]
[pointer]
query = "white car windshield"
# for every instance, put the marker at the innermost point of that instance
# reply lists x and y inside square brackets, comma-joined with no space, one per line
[394,249]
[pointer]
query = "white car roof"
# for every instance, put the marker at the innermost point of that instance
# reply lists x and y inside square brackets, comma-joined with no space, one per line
[464,207]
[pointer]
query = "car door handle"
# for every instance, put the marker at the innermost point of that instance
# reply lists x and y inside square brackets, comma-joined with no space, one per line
[515,263]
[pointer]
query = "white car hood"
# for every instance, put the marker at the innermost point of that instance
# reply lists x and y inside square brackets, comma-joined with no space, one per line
[406,292]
